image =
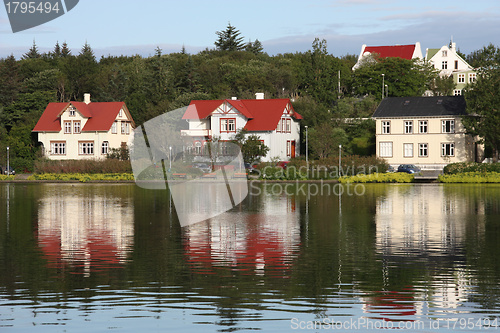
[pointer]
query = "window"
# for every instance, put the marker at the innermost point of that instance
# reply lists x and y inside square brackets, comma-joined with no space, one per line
[288,125]
[461,78]
[422,126]
[113,128]
[228,125]
[472,77]
[456,64]
[457,92]
[386,127]
[448,126]
[67,127]
[423,150]
[125,127]
[385,149]
[105,147]
[447,149]
[86,148]
[120,114]
[288,148]
[444,65]
[408,127]
[58,148]
[408,149]
[72,111]
[444,53]
[77,126]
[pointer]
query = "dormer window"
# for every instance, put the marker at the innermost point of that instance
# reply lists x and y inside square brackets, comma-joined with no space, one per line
[72,111]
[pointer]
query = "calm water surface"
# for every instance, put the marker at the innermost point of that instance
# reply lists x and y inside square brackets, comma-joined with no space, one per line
[113,257]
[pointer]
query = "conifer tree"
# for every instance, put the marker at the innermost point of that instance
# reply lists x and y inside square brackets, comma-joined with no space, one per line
[229,39]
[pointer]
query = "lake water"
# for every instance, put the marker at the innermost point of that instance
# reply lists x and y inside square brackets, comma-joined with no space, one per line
[291,257]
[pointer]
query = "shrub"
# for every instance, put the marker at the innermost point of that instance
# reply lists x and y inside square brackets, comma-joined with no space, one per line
[396,177]
[91,166]
[455,168]
[83,177]
[470,177]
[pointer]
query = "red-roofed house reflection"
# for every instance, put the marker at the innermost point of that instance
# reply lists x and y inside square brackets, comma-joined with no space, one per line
[88,233]
[249,243]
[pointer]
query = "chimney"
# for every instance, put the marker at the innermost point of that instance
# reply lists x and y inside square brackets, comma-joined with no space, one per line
[86,98]
[259,96]
[234,98]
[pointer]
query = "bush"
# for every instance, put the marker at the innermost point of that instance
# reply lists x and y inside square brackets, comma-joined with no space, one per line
[455,168]
[396,177]
[470,177]
[82,177]
[90,166]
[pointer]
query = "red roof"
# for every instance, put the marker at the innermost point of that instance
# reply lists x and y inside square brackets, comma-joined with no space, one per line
[396,51]
[262,114]
[101,116]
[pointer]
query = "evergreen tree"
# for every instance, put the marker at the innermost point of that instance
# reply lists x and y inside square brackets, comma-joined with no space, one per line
[255,47]
[32,53]
[229,39]
[10,80]
[65,51]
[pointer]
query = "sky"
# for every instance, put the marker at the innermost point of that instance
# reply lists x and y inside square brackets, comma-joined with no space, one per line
[127,27]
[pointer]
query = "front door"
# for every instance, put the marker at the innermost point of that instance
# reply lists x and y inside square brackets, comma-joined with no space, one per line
[293,149]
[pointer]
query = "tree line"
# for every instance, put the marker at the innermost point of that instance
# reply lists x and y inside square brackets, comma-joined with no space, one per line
[322,87]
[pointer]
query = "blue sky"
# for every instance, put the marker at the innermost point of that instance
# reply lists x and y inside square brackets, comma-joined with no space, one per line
[116,27]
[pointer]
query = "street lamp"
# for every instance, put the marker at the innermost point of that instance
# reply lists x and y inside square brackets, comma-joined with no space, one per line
[383,85]
[8,162]
[340,159]
[170,158]
[307,150]
[386,91]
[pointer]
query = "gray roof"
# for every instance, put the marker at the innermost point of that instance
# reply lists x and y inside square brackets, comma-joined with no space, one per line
[421,107]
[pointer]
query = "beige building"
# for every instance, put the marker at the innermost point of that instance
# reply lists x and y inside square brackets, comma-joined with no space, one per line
[83,130]
[425,131]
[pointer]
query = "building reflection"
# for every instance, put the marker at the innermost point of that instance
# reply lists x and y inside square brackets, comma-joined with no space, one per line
[261,243]
[88,231]
[427,226]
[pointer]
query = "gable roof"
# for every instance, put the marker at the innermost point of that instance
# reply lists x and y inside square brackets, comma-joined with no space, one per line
[394,51]
[262,114]
[421,107]
[101,116]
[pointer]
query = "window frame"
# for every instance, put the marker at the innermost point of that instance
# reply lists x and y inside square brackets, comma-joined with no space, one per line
[390,144]
[422,125]
[386,127]
[421,148]
[104,147]
[86,148]
[405,149]
[75,130]
[451,149]
[408,127]
[58,145]
[444,126]
[67,127]
[114,126]
[224,125]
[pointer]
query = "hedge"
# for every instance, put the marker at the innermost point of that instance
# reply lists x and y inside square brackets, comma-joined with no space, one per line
[392,177]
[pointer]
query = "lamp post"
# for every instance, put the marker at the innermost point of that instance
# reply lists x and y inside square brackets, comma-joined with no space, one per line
[8,162]
[170,158]
[383,85]
[307,150]
[386,91]
[340,159]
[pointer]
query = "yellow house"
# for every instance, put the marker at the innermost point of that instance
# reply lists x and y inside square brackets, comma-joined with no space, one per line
[83,130]
[425,131]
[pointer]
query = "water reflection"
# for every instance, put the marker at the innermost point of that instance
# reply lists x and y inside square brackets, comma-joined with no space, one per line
[88,230]
[263,242]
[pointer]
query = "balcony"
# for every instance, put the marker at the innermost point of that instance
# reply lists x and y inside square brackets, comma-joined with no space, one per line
[197,132]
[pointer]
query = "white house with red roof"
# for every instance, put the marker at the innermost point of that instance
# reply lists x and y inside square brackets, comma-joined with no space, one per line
[408,52]
[83,130]
[274,121]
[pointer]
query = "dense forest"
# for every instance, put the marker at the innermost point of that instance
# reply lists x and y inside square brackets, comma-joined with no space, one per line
[321,86]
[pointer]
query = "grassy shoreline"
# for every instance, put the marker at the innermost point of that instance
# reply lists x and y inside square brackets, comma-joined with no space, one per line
[457,178]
